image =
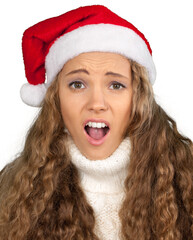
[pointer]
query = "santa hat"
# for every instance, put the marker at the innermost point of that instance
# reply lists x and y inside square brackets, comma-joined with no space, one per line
[48,45]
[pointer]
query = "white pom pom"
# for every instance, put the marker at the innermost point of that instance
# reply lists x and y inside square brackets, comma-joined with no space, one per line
[33,95]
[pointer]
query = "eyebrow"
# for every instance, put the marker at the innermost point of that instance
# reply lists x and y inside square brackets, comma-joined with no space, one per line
[114,74]
[82,70]
[78,71]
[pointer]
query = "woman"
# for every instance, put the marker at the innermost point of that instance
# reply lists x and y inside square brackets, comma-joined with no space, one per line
[102,160]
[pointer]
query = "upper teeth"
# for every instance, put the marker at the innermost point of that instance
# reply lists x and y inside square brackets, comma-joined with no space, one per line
[96,125]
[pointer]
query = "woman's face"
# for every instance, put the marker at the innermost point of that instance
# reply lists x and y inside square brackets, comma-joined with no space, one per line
[96,86]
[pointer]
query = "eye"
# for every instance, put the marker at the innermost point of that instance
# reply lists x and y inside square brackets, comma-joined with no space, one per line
[117,85]
[77,84]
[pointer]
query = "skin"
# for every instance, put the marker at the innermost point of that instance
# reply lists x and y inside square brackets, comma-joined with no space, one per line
[96,96]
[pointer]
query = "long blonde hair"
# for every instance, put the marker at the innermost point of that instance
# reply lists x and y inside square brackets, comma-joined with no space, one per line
[40,192]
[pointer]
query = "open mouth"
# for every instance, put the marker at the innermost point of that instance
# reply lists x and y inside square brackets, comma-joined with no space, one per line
[96,133]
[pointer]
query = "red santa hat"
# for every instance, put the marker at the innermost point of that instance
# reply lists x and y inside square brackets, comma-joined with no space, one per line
[48,45]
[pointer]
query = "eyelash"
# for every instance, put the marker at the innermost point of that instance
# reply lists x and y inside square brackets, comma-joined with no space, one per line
[113,83]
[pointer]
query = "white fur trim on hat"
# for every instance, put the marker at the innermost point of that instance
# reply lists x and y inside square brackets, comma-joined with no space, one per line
[98,37]
[33,95]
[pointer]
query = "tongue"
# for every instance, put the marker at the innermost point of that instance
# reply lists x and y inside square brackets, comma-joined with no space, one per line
[96,133]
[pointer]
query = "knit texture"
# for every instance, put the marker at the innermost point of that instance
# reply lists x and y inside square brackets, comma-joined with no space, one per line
[103,184]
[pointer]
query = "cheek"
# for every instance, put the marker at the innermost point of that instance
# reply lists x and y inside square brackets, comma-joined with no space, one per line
[123,105]
[123,111]
[70,109]
[66,110]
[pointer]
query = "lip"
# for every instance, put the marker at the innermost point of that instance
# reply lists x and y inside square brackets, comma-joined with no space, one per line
[97,120]
[94,141]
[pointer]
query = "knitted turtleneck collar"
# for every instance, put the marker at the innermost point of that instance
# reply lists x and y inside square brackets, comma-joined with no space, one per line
[102,176]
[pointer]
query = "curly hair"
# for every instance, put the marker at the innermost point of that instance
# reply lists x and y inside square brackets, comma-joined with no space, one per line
[40,191]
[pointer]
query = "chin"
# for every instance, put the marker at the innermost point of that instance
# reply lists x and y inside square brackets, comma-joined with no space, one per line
[98,156]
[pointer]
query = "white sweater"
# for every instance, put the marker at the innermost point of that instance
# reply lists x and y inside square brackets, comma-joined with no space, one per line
[103,184]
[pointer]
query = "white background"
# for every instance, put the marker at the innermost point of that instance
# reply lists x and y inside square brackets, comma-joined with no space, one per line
[167,24]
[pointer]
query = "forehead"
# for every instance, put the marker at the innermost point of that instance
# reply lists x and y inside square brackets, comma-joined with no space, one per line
[99,62]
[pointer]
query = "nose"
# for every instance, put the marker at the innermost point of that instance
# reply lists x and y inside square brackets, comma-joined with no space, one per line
[97,101]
